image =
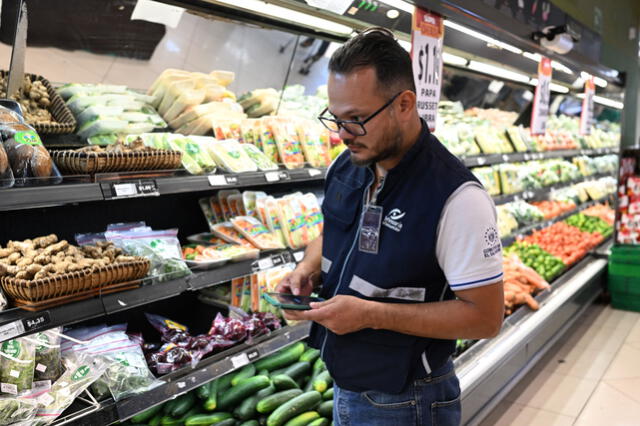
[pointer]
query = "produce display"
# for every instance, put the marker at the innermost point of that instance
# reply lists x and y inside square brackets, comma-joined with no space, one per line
[545,264]
[551,209]
[524,213]
[590,224]
[567,243]
[291,387]
[33,98]
[520,283]
[602,211]
[260,102]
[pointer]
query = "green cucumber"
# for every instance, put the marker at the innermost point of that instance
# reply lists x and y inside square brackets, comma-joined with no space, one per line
[183,404]
[250,423]
[172,421]
[168,406]
[146,415]
[247,408]
[263,393]
[322,382]
[326,409]
[224,382]
[263,372]
[244,389]
[263,420]
[207,419]
[270,403]
[203,391]
[156,420]
[297,370]
[319,366]
[283,382]
[311,355]
[228,422]
[328,395]
[283,358]
[245,372]
[296,406]
[303,419]
[320,422]
[212,402]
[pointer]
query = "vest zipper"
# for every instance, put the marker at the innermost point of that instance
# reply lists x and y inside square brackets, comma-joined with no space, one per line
[365,195]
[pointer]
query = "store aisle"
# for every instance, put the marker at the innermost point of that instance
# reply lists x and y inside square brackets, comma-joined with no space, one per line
[590,377]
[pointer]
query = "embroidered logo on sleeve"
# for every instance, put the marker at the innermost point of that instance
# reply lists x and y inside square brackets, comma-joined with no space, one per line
[492,243]
[392,220]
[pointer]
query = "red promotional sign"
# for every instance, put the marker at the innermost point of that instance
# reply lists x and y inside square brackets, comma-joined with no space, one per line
[540,110]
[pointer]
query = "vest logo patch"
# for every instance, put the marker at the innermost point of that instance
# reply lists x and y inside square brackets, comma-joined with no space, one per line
[492,242]
[392,221]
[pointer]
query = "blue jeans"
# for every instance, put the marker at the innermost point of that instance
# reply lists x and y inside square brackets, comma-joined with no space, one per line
[432,401]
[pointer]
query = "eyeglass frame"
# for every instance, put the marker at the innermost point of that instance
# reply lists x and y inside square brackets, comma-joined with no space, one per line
[361,123]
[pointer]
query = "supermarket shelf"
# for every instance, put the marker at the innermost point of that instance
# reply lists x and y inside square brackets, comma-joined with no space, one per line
[518,157]
[534,194]
[491,368]
[16,322]
[187,379]
[507,241]
[122,187]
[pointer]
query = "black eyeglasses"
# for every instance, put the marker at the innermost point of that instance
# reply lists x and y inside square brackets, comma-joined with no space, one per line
[356,128]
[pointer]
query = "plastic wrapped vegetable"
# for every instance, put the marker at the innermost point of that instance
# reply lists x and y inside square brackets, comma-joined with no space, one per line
[48,356]
[14,410]
[256,232]
[17,362]
[263,162]
[81,372]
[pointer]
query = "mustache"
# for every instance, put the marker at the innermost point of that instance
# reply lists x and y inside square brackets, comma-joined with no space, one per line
[351,142]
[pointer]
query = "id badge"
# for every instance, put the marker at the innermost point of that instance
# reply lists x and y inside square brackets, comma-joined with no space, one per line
[370,229]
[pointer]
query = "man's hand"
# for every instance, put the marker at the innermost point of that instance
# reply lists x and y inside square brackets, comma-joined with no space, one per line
[340,314]
[299,282]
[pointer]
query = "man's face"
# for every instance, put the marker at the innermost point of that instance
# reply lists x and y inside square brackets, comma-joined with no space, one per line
[355,96]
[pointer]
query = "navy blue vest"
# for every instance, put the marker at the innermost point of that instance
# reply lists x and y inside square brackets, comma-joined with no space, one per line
[405,270]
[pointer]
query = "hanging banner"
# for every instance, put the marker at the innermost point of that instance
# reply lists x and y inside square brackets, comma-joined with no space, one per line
[426,55]
[586,117]
[540,109]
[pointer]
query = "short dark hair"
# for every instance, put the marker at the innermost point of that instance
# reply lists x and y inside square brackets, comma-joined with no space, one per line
[376,47]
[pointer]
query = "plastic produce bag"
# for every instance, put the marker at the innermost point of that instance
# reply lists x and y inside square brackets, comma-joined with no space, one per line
[17,362]
[17,410]
[6,173]
[48,355]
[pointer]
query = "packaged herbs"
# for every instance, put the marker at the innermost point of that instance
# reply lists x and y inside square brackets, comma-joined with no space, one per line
[14,410]
[48,358]
[17,362]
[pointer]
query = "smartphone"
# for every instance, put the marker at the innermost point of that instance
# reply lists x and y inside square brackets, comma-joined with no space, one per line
[290,301]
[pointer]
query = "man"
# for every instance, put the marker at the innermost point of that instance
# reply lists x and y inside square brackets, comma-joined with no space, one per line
[409,259]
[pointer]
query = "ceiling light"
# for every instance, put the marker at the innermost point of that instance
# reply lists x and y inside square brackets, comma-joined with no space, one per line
[600,82]
[482,37]
[282,13]
[604,101]
[393,14]
[497,71]
[399,4]
[450,59]
[558,88]
[561,67]
[405,45]
[533,56]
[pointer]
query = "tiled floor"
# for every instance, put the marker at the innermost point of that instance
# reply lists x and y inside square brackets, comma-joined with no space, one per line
[590,377]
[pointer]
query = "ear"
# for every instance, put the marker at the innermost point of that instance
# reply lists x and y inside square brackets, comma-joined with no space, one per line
[406,104]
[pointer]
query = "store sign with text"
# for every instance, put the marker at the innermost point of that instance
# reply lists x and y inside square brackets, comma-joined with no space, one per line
[540,110]
[426,54]
[586,117]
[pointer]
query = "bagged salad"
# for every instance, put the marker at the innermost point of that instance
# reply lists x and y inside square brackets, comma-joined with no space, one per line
[48,355]
[17,363]
[17,411]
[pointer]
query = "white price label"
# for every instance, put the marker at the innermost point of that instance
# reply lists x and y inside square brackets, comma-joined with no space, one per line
[125,189]
[181,385]
[272,176]
[505,158]
[9,388]
[265,263]
[314,172]
[240,360]
[11,330]
[426,51]
[540,108]
[217,180]
[14,373]
[481,161]
[41,368]
[46,399]
[298,256]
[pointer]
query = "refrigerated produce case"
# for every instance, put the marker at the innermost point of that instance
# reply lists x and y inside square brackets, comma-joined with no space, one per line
[488,369]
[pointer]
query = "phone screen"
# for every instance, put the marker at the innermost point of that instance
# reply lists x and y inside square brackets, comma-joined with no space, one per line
[290,299]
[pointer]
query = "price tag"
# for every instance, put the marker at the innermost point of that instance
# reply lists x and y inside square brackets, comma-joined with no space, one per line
[314,172]
[231,179]
[36,322]
[41,385]
[272,176]
[142,188]
[217,180]
[46,399]
[125,189]
[253,355]
[426,56]
[527,157]
[14,373]
[240,360]
[181,385]
[540,108]
[481,161]
[9,388]
[505,158]
[284,175]
[586,116]
[41,368]
[11,330]
[298,256]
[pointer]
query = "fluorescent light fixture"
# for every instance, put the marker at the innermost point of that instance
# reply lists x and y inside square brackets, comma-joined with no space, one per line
[604,101]
[497,71]
[450,59]
[482,37]
[399,4]
[561,67]
[558,88]
[600,82]
[286,14]
[535,57]
[405,45]
[533,82]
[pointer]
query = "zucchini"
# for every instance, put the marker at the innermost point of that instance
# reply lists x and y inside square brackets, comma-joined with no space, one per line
[244,389]
[245,372]
[310,355]
[326,409]
[207,419]
[183,404]
[303,419]
[156,420]
[283,382]
[297,370]
[283,358]
[322,382]
[203,391]
[320,422]
[212,402]
[250,423]
[328,395]
[296,406]
[146,415]
[270,403]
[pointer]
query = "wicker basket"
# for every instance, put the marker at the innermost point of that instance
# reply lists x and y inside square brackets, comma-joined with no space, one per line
[80,162]
[65,122]
[120,272]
